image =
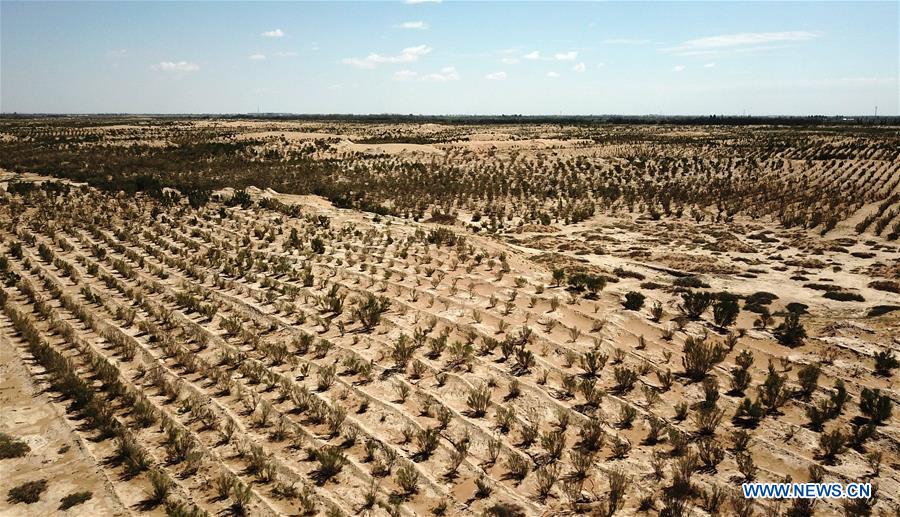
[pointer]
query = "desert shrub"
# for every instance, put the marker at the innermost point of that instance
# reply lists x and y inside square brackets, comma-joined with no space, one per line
[889,286]
[678,440]
[797,307]
[241,494]
[518,466]
[746,466]
[28,492]
[884,363]
[880,310]
[749,412]
[682,472]
[620,447]
[478,400]
[714,499]
[790,332]
[656,425]
[700,357]
[874,405]
[844,296]
[859,435]
[692,282]
[408,479]
[710,452]
[633,301]
[838,398]
[592,362]
[740,375]
[160,486]
[818,414]
[618,484]
[128,450]
[12,447]
[761,298]
[665,379]
[740,440]
[545,477]
[591,436]
[592,284]
[808,377]
[772,393]
[331,461]
[506,415]
[369,309]
[707,419]
[831,444]
[402,351]
[695,303]
[627,414]
[681,411]
[625,379]
[725,311]
[74,499]
[505,510]
[554,442]
[427,440]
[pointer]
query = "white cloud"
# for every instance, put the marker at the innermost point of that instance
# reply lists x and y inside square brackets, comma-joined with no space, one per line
[275,33]
[552,74]
[509,60]
[405,75]
[579,67]
[418,26]
[566,56]
[532,55]
[413,2]
[738,41]
[448,73]
[116,54]
[336,86]
[288,53]
[496,76]
[678,68]
[709,65]
[258,57]
[407,55]
[172,66]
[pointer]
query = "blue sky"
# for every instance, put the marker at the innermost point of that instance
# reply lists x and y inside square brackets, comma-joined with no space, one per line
[789,57]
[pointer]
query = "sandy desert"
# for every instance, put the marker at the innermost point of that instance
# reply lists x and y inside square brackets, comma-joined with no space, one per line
[377,316]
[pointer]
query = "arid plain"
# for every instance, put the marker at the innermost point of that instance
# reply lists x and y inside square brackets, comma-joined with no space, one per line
[451,317]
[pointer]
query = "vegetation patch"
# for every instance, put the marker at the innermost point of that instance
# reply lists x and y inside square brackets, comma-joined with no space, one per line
[28,493]
[12,447]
